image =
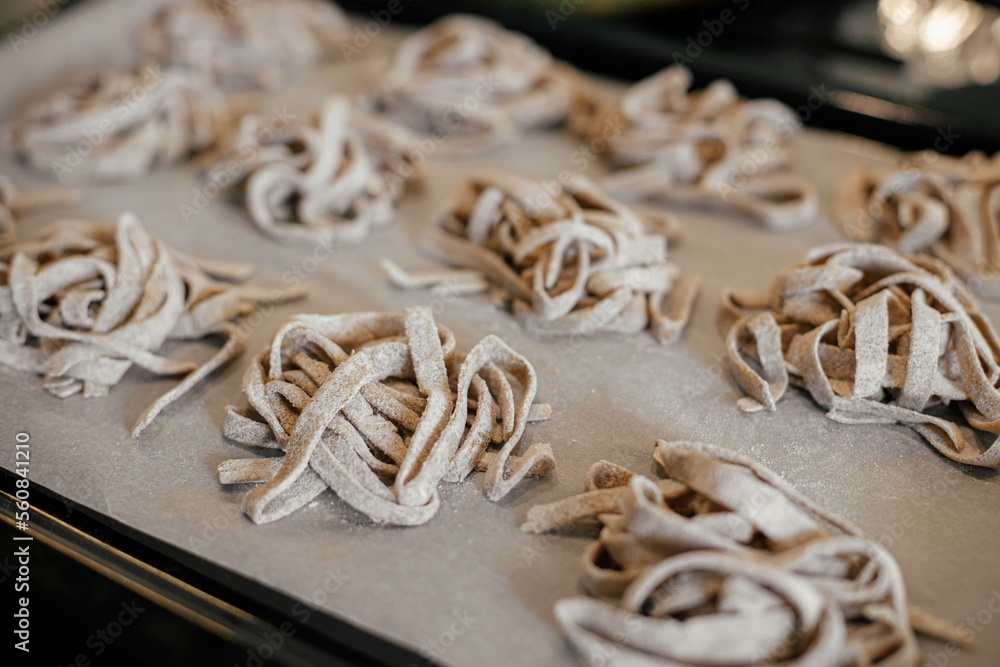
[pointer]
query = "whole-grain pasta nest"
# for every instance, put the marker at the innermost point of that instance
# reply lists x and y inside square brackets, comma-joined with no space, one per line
[333,178]
[723,562]
[381,408]
[709,148]
[930,203]
[875,337]
[260,43]
[567,258]
[473,85]
[86,301]
[118,125]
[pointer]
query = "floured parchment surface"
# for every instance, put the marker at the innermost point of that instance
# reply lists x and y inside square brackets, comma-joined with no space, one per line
[469,578]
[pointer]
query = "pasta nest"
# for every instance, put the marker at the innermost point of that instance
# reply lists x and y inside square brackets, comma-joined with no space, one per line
[709,148]
[87,301]
[333,179]
[381,408]
[118,125]
[723,562]
[570,259]
[259,43]
[929,203]
[473,84]
[876,337]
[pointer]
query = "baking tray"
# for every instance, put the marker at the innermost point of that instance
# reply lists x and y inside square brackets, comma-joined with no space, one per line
[468,588]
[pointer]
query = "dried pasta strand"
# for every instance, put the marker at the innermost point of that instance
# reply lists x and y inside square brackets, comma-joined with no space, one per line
[87,300]
[876,337]
[459,282]
[576,262]
[725,563]
[381,408]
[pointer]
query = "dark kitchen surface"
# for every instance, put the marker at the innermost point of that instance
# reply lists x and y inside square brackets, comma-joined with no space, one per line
[102,593]
[80,617]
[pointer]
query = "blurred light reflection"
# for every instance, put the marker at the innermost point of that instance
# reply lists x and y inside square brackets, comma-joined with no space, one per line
[954,42]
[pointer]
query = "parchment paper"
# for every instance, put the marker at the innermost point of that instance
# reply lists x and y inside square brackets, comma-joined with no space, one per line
[468,588]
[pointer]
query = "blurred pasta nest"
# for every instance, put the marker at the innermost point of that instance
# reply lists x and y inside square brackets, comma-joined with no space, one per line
[473,84]
[259,43]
